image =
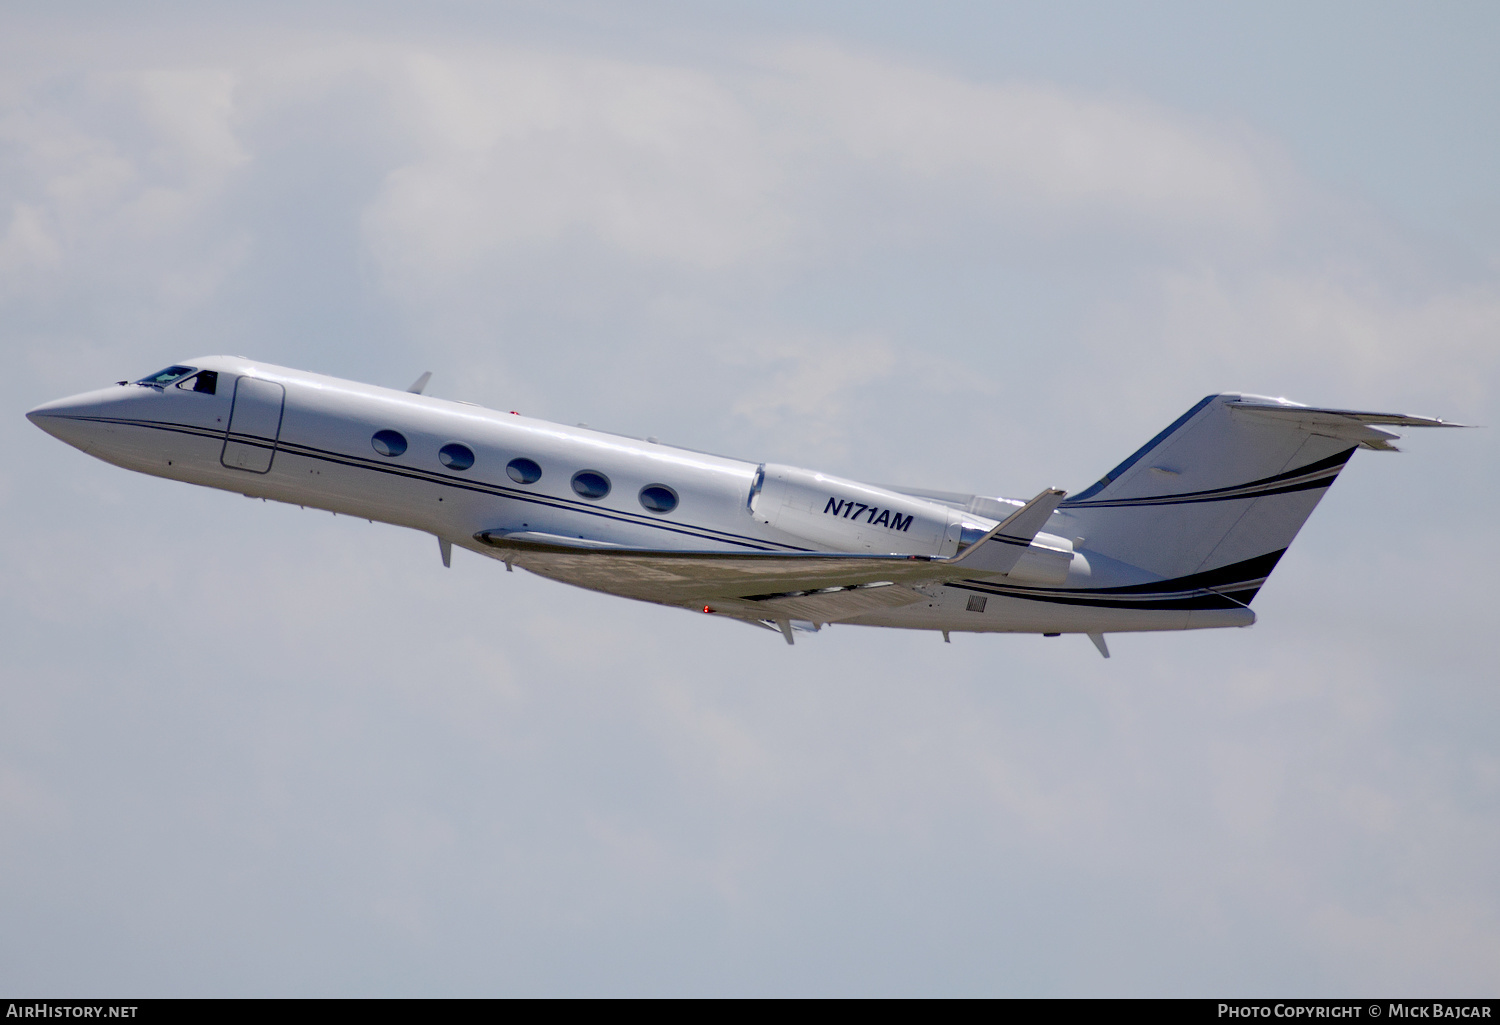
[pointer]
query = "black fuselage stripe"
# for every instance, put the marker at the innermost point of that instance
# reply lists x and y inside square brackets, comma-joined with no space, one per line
[410,473]
[1167,602]
[1201,590]
[1238,496]
[1333,463]
[1235,584]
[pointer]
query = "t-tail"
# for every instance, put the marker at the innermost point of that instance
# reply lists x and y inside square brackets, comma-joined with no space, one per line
[1213,501]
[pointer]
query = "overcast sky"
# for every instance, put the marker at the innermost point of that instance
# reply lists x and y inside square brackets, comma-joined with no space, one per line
[249,749]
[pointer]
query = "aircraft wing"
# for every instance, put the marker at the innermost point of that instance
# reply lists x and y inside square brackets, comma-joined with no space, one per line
[697,578]
[818,586]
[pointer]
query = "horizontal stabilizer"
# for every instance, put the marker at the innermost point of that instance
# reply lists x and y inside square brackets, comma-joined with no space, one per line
[980,505]
[1352,425]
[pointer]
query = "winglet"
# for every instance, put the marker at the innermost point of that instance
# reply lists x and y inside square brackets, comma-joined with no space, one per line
[1000,549]
[420,383]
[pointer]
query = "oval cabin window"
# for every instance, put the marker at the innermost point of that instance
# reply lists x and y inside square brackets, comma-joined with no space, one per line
[388,443]
[523,471]
[658,498]
[456,457]
[591,484]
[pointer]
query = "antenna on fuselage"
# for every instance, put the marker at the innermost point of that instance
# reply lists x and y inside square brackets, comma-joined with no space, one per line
[420,383]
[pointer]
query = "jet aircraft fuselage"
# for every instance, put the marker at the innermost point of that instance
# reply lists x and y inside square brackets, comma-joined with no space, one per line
[773,545]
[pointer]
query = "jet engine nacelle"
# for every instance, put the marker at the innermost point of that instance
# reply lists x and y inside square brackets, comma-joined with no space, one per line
[848,516]
[1047,562]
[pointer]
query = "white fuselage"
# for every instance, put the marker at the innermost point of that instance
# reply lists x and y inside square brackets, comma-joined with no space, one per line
[290,436]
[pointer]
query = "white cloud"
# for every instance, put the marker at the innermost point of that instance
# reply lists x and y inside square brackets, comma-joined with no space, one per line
[523,149]
[806,386]
[717,170]
[27,243]
[1026,148]
[1353,333]
[190,112]
[134,167]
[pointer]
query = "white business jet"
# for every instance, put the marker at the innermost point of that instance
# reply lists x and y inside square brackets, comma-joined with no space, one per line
[1179,536]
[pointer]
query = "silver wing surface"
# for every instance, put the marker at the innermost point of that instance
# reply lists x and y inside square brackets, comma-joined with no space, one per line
[817,586]
[694,579]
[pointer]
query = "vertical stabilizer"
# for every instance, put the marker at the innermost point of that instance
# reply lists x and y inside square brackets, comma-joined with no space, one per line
[1224,489]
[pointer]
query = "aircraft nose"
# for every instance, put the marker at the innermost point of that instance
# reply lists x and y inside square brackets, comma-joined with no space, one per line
[79,419]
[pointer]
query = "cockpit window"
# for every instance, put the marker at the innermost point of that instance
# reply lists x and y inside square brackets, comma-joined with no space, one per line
[205,382]
[167,376]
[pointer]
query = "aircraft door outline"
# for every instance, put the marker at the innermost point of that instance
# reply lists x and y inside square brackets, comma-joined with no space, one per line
[254,425]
